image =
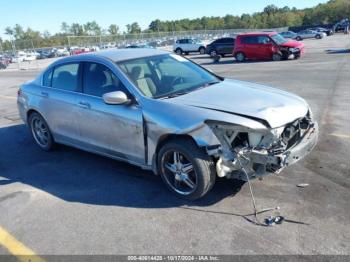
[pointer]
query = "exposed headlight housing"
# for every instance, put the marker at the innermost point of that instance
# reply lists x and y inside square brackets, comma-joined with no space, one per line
[293,50]
[254,139]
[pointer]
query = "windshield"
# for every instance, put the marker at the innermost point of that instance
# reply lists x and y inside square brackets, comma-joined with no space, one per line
[166,75]
[278,39]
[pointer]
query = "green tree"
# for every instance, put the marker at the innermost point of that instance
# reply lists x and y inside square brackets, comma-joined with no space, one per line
[270,9]
[133,28]
[113,29]
[18,31]
[65,28]
[9,31]
[92,28]
[76,29]
[156,25]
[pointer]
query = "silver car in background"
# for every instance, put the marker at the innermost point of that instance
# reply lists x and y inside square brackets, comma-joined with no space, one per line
[289,34]
[164,113]
[307,33]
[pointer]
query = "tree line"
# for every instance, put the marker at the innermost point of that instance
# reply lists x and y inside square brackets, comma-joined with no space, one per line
[271,17]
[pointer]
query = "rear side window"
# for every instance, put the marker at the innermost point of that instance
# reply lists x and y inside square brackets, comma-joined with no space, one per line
[66,77]
[229,40]
[47,78]
[220,41]
[249,40]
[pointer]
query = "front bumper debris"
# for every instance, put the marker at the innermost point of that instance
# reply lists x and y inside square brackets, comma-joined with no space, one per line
[260,162]
[304,147]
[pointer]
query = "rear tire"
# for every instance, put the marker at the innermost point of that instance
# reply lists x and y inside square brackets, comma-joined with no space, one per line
[298,38]
[186,170]
[41,132]
[213,53]
[178,51]
[240,57]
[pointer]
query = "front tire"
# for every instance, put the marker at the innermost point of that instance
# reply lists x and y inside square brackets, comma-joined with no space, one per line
[298,38]
[41,132]
[276,57]
[318,36]
[186,170]
[202,50]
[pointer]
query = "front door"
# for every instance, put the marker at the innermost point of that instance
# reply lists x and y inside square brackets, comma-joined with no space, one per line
[115,130]
[264,47]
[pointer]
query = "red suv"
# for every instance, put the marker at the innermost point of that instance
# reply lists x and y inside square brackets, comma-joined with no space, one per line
[266,46]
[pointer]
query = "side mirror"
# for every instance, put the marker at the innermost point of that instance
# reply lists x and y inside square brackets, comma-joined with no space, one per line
[115,98]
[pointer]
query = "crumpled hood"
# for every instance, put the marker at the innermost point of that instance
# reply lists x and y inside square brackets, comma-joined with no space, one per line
[275,106]
[293,44]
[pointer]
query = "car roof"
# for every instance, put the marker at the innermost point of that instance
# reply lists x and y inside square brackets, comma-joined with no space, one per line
[259,33]
[117,55]
[228,37]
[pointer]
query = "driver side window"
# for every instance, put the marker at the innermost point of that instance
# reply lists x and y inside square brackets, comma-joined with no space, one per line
[263,40]
[99,79]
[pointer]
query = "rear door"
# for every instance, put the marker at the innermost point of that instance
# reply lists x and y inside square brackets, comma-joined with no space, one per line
[61,86]
[114,130]
[250,46]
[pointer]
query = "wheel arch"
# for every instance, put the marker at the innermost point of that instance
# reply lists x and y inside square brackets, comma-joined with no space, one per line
[30,112]
[33,110]
[165,138]
[238,52]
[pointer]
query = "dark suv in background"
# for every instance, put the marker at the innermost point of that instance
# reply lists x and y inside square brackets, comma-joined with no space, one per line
[222,46]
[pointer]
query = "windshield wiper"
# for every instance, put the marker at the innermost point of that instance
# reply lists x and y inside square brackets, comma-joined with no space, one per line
[177,94]
[180,93]
[206,85]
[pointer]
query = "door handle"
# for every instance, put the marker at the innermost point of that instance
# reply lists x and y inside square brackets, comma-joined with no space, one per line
[84,105]
[45,94]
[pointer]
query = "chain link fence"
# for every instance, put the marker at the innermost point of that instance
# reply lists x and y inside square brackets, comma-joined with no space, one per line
[157,38]
[24,51]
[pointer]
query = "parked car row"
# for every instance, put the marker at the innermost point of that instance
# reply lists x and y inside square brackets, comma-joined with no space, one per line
[4,61]
[342,26]
[316,32]
[257,45]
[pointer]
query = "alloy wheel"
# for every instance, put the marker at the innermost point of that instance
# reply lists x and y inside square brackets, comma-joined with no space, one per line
[40,131]
[179,172]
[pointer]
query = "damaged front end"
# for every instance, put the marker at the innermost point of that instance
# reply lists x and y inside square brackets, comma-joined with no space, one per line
[260,152]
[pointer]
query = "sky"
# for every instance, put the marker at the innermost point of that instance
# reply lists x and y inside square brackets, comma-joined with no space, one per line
[48,15]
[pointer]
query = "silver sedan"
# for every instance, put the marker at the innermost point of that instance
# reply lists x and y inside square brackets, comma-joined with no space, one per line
[164,113]
[305,34]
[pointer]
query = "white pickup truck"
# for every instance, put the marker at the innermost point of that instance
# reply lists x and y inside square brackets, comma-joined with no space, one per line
[188,46]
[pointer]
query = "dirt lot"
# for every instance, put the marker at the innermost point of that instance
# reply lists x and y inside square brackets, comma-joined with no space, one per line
[71,202]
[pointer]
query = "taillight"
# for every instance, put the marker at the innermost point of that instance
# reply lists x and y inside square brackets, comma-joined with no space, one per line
[19,92]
